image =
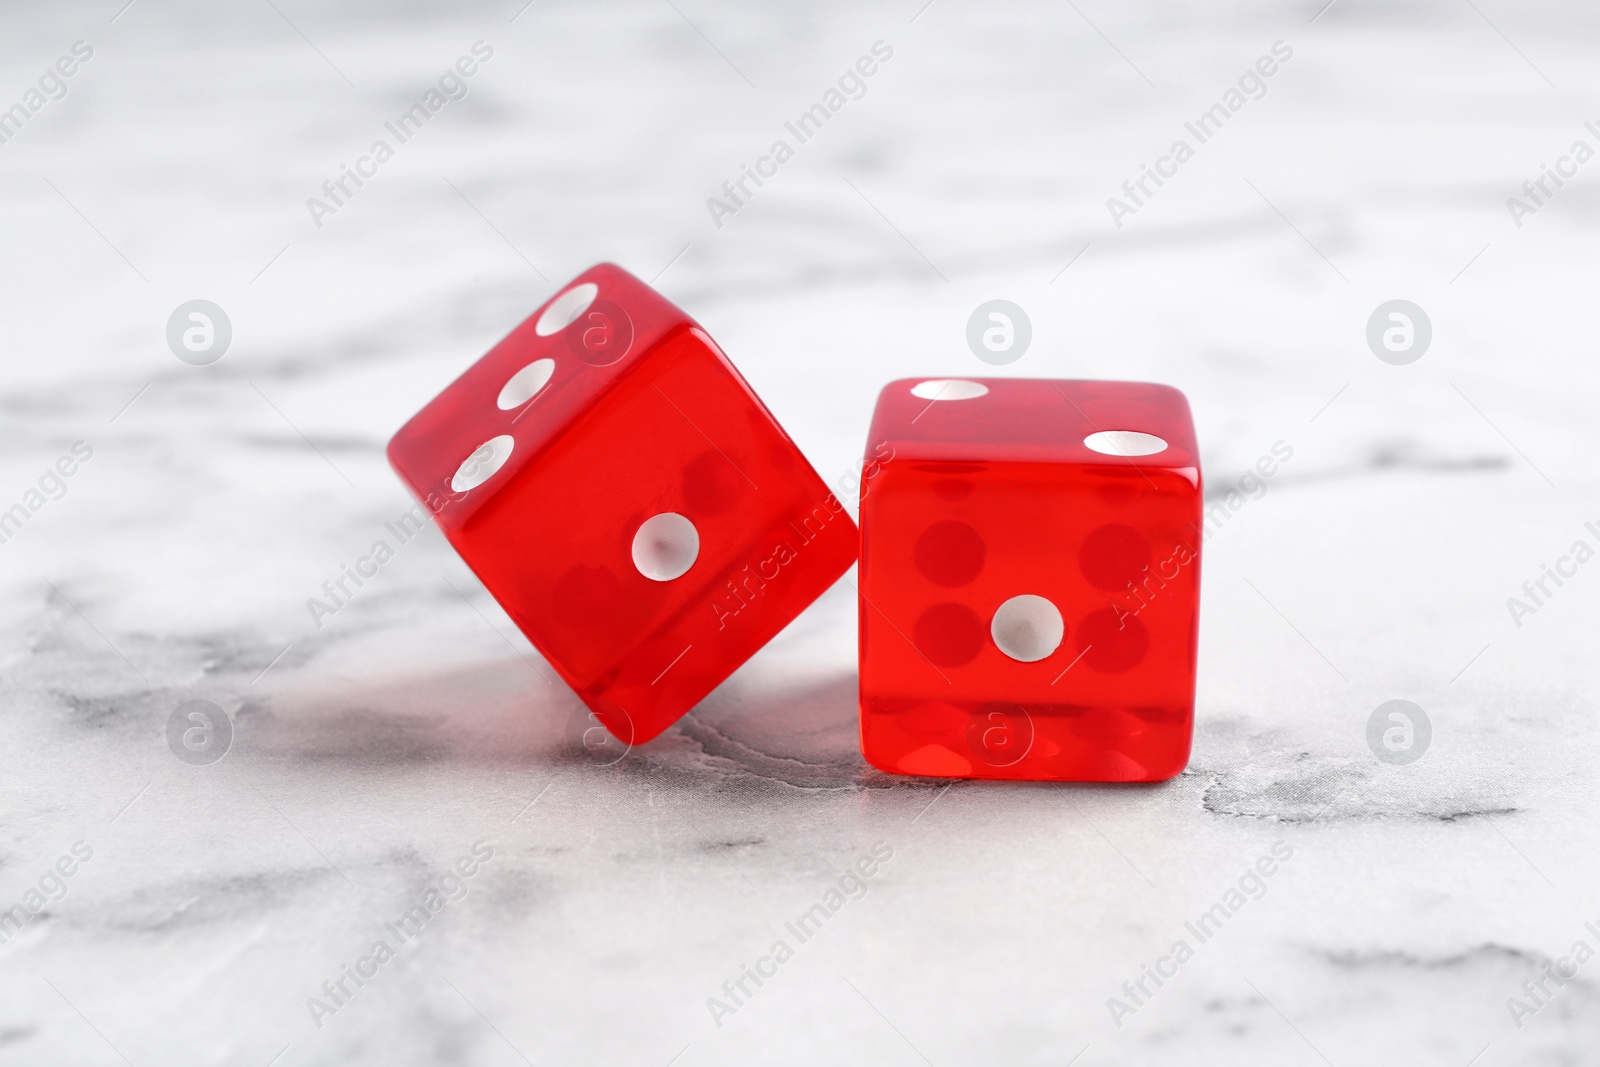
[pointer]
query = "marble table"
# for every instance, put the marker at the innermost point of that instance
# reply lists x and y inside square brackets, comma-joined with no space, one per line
[405,858]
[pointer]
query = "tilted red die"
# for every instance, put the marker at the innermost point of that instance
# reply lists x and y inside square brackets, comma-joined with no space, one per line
[1030,579]
[628,500]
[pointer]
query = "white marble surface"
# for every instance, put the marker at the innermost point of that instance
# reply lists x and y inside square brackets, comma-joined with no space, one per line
[376,751]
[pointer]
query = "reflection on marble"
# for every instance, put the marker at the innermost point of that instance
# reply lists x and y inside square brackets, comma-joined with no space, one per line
[372,753]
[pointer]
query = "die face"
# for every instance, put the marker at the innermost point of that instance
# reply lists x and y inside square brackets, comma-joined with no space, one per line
[655,535]
[682,436]
[1033,419]
[530,387]
[1030,618]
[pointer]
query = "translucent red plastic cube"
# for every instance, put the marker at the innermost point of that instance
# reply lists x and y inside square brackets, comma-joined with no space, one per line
[1030,580]
[628,500]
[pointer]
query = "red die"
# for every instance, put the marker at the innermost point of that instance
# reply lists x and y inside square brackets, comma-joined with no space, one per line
[628,500]
[1030,580]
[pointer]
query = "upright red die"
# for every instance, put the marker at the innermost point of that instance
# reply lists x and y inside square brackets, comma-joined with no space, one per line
[628,500]
[1030,580]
